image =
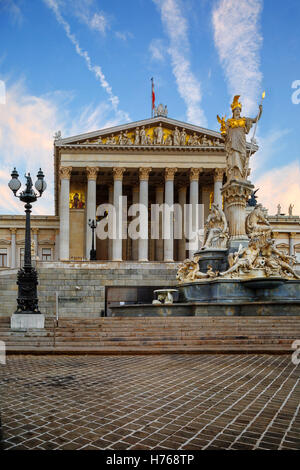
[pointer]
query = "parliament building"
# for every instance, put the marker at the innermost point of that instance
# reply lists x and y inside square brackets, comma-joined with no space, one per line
[152,161]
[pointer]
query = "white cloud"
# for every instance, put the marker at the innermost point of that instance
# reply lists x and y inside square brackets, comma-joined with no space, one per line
[157,50]
[98,22]
[124,36]
[95,69]
[84,10]
[188,86]
[280,186]
[238,41]
[27,126]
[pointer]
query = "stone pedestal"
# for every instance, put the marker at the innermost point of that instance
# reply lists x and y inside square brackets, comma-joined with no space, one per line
[236,194]
[217,258]
[24,321]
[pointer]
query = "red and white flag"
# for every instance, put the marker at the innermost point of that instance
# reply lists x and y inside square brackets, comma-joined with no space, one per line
[153,95]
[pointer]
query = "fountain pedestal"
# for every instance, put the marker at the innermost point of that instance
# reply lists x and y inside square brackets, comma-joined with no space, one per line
[236,194]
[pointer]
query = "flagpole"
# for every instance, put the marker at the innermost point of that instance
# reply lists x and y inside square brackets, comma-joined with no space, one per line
[151,97]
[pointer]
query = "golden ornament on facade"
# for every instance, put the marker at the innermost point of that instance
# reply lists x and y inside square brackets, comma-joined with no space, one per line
[218,174]
[118,173]
[194,173]
[65,172]
[92,172]
[144,173]
[169,173]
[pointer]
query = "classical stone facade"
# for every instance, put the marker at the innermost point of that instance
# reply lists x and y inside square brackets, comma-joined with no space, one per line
[154,161]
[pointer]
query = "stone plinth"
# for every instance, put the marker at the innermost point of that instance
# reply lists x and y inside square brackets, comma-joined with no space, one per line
[25,321]
[241,292]
[216,257]
[150,310]
[236,194]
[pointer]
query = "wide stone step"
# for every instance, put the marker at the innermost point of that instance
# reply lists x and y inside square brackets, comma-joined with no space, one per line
[129,350]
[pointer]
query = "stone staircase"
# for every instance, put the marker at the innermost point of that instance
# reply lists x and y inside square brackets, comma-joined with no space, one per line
[153,335]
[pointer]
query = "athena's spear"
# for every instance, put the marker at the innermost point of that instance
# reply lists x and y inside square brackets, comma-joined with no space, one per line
[255,127]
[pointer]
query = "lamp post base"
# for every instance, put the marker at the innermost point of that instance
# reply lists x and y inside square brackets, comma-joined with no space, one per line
[24,321]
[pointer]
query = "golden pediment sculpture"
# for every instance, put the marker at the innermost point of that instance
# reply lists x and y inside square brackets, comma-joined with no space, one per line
[157,135]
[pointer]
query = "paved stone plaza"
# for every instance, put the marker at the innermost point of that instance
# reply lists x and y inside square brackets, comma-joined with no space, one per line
[150,402]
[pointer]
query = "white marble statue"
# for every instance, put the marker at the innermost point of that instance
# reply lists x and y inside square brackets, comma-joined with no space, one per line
[182,137]
[143,136]
[216,229]
[188,271]
[168,140]
[235,132]
[278,209]
[257,223]
[242,261]
[176,136]
[291,209]
[137,136]
[158,135]
[57,135]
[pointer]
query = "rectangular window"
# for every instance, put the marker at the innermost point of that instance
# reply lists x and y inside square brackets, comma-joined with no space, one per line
[46,254]
[3,257]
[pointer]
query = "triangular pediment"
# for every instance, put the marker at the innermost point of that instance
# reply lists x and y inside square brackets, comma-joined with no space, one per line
[157,131]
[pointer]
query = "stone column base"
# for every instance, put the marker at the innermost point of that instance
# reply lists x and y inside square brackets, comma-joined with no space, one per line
[23,321]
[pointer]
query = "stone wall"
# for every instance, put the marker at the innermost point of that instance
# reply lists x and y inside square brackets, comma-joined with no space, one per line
[81,286]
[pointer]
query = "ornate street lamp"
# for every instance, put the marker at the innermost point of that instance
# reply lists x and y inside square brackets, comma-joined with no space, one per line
[93,225]
[27,281]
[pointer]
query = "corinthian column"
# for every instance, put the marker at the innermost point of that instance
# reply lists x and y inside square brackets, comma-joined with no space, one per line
[117,241]
[159,242]
[110,201]
[194,212]
[135,243]
[143,241]
[35,232]
[182,203]
[218,181]
[64,221]
[168,222]
[90,207]
[13,248]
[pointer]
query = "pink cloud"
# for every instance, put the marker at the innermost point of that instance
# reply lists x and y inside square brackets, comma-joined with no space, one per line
[27,126]
[280,186]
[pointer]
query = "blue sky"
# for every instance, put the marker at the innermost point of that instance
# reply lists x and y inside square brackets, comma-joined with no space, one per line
[81,65]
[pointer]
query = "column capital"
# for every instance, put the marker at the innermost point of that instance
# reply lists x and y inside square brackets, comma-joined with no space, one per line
[92,172]
[144,173]
[218,174]
[170,173]
[118,173]
[65,172]
[194,173]
[13,230]
[293,234]
[35,230]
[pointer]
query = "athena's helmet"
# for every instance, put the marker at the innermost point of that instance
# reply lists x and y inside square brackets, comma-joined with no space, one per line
[235,103]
